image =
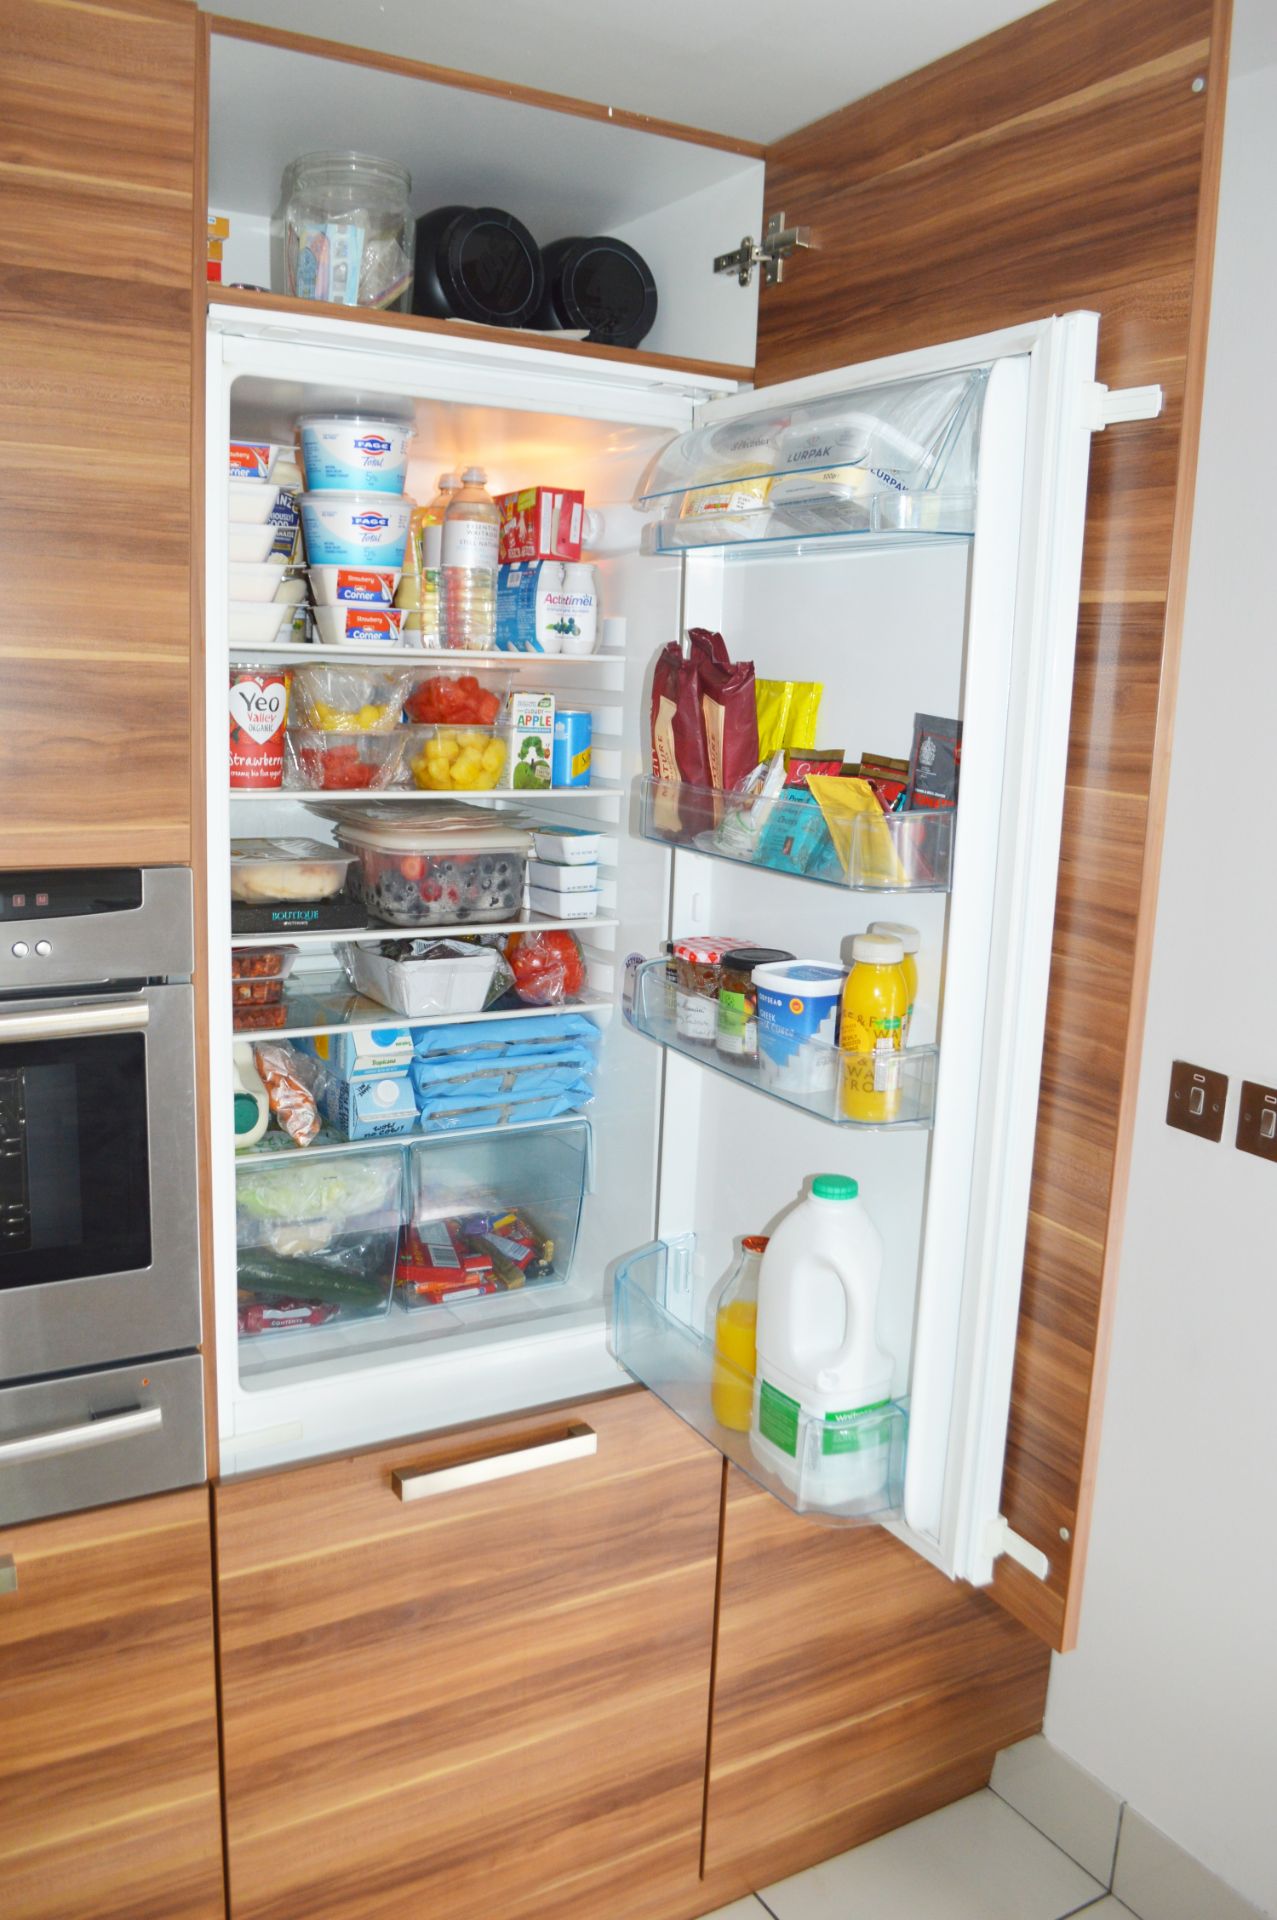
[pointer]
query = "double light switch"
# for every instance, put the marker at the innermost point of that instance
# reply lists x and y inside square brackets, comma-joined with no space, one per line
[1196,1104]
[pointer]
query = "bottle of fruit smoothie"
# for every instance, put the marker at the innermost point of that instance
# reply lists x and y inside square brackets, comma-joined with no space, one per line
[875,1006]
[735,1316]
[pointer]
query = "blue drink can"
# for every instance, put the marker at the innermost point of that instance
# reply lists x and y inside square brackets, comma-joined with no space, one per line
[570,761]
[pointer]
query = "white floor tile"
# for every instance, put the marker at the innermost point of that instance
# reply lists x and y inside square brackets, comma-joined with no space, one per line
[1162,1882]
[1108,1909]
[1062,1801]
[746,1909]
[975,1860]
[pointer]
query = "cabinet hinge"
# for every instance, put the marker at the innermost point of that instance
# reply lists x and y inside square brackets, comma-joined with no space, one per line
[1111,405]
[778,242]
[1000,1539]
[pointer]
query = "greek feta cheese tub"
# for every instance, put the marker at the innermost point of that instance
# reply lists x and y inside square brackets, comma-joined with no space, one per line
[798,1004]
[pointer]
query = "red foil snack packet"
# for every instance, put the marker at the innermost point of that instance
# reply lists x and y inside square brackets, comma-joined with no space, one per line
[729,711]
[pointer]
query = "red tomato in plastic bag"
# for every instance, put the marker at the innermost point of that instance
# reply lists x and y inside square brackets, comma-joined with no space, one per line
[548,968]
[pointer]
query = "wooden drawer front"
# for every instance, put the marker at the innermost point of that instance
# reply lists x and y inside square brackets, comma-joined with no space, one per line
[471,1702]
[109,1803]
[855,1687]
[98,113]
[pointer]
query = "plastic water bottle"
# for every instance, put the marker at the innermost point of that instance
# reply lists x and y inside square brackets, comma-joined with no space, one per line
[468,555]
[822,1416]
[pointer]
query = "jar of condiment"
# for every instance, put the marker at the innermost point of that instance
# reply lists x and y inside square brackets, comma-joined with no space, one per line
[700,961]
[736,1032]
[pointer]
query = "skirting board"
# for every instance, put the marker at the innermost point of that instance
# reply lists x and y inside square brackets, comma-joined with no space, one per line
[1145,1870]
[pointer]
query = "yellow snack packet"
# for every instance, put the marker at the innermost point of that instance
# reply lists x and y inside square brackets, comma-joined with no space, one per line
[804,710]
[773,699]
[842,803]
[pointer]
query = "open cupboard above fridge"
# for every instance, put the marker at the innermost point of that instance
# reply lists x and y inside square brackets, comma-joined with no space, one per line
[930,570]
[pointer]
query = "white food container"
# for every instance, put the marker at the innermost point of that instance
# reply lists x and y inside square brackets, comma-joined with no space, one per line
[351,625]
[566,846]
[256,582]
[362,586]
[251,502]
[254,459]
[356,528]
[249,546]
[564,906]
[425,987]
[257,621]
[352,450]
[553,878]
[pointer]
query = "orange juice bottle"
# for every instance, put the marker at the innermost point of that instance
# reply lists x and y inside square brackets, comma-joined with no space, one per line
[875,1006]
[910,941]
[735,1321]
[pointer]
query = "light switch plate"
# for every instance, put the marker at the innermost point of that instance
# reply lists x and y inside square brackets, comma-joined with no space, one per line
[1257,1120]
[1197,1099]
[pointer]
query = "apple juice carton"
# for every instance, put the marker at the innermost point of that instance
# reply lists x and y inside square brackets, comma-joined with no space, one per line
[529,719]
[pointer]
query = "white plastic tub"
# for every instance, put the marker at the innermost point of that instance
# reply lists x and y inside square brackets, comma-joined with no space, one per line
[249,546]
[424,987]
[355,529]
[256,621]
[552,877]
[357,586]
[257,581]
[359,450]
[352,625]
[564,906]
[250,503]
[566,846]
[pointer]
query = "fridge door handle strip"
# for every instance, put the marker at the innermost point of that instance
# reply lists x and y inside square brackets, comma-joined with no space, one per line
[92,1433]
[576,1444]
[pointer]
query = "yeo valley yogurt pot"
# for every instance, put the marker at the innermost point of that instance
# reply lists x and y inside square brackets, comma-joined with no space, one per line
[354,450]
[356,529]
[798,1004]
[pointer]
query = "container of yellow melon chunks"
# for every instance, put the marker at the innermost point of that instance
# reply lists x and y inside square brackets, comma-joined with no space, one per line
[858,828]
[457,759]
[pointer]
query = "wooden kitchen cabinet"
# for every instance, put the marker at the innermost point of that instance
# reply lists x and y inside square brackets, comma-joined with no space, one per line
[98,209]
[856,1688]
[492,1700]
[109,1795]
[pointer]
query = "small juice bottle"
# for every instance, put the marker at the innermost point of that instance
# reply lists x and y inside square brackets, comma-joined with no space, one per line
[875,1005]
[910,941]
[735,1321]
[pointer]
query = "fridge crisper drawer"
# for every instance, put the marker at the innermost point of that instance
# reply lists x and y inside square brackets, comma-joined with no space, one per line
[90,1439]
[844,1474]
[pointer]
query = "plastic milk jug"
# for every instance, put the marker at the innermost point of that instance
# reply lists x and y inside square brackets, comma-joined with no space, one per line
[822,1417]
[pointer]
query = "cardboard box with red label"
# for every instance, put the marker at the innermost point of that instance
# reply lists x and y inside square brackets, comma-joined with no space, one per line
[540,523]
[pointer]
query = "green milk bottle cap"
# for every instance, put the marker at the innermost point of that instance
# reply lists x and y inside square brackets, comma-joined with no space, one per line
[834,1186]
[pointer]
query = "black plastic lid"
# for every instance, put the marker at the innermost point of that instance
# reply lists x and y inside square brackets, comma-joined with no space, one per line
[745,959]
[601,284]
[479,264]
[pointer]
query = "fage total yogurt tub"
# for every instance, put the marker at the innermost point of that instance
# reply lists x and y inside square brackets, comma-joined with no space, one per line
[355,450]
[356,529]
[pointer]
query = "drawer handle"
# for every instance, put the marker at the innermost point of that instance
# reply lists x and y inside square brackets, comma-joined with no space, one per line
[575,1444]
[8,1574]
[93,1433]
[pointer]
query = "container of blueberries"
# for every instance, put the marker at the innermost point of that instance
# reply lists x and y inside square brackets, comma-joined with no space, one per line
[434,866]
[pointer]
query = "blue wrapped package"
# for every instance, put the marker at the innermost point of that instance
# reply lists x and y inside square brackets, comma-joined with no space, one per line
[523,1031]
[449,1112]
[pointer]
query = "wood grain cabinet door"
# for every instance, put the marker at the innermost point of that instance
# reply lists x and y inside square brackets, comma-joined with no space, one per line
[98,119]
[109,1801]
[491,1700]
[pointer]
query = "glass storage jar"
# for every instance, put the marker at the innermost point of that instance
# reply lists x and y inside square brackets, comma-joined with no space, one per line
[737,1023]
[348,230]
[700,964]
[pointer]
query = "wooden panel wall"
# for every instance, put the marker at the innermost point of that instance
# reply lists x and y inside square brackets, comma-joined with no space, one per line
[855,1688]
[1065,162]
[97,171]
[109,1796]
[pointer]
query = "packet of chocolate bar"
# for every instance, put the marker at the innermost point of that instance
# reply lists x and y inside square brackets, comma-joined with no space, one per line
[887,776]
[802,761]
[935,762]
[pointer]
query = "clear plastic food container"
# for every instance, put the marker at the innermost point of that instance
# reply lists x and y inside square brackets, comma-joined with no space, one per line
[348,229]
[262,963]
[349,699]
[259,1018]
[256,993]
[457,759]
[317,1239]
[267,871]
[432,868]
[316,761]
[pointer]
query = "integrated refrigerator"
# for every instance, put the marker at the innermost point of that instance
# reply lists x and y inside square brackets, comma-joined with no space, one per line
[943,580]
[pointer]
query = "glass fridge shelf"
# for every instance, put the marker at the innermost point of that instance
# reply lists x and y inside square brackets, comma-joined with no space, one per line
[830,1079]
[883,853]
[744,536]
[845,1473]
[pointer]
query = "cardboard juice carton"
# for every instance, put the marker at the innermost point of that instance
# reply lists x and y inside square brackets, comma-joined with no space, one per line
[530,753]
[540,523]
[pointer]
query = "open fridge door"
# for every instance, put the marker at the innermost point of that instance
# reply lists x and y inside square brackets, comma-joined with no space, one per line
[941,578]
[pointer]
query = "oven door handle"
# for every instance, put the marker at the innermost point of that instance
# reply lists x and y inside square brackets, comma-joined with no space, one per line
[70,1023]
[92,1433]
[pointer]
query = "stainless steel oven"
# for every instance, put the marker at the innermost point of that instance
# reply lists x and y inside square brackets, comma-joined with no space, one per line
[99,1218]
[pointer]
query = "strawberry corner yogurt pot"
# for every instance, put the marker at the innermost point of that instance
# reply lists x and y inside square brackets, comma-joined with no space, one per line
[352,625]
[354,450]
[258,711]
[360,586]
[360,529]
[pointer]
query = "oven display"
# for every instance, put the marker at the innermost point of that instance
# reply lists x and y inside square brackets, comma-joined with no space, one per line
[74,1182]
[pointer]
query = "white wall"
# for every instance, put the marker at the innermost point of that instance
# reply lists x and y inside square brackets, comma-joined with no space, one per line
[1171,1696]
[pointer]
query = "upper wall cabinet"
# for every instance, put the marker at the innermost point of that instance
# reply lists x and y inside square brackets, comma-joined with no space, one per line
[562,168]
[97,192]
